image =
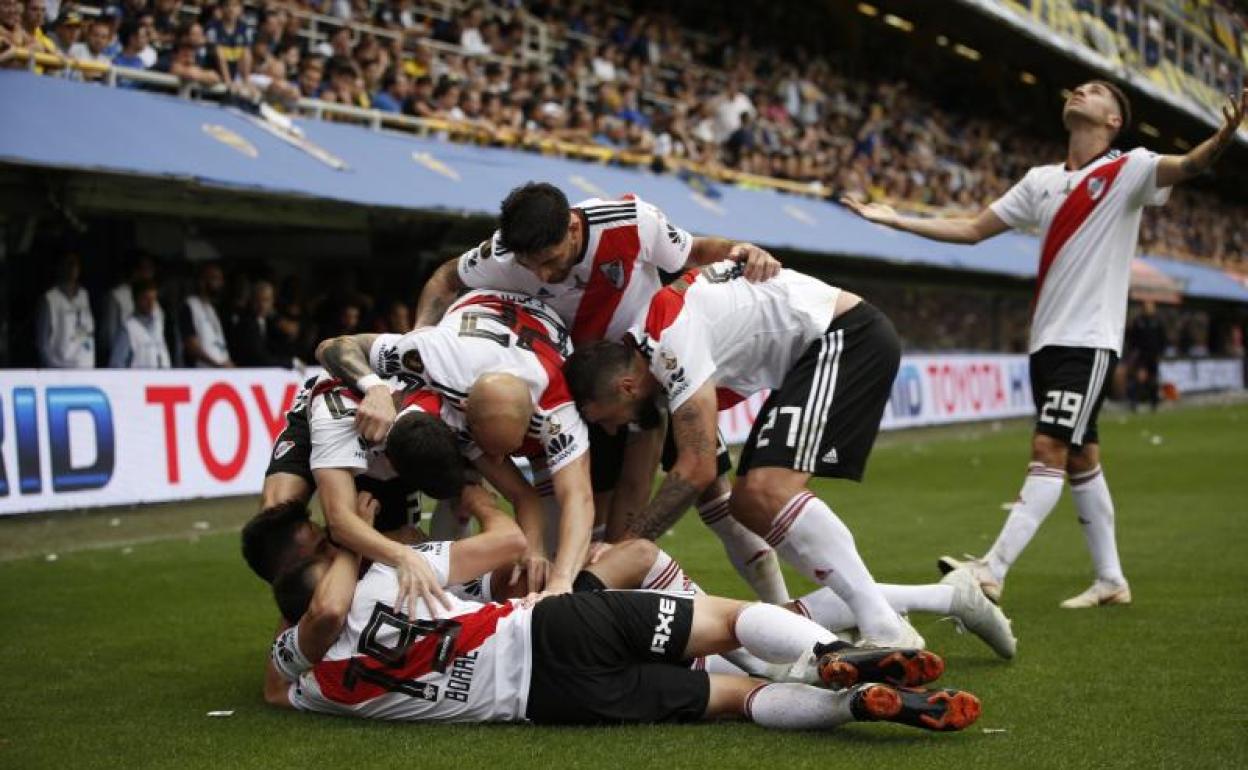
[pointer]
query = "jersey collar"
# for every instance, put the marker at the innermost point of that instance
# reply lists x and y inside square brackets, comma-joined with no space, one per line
[1110,152]
[580,215]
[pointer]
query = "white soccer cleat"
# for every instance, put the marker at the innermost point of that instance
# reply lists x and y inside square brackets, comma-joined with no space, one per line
[907,638]
[973,612]
[978,568]
[1098,595]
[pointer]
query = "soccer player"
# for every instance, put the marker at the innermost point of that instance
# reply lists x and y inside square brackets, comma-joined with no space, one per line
[600,657]
[597,264]
[486,333]
[829,359]
[1087,210]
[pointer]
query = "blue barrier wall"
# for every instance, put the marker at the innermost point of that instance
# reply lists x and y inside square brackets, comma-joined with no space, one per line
[75,125]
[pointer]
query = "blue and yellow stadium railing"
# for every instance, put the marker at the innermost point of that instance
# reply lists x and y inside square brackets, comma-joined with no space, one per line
[1164,62]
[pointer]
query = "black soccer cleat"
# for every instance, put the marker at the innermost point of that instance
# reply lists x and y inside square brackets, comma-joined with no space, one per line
[939,710]
[847,667]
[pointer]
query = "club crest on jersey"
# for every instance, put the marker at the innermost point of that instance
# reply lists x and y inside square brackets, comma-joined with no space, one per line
[669,360]
[614,271]
[553,428]
[282,448]
[1096,186]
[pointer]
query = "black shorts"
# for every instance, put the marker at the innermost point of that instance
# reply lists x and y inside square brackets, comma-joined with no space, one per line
[292,452]
[824,417]
[1068,386]
[399,504]
[606,455]
[614,657]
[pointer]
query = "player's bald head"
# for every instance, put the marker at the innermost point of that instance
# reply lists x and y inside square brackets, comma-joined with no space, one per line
[499,408]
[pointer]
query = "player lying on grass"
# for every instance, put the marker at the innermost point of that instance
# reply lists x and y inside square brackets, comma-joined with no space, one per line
[596,264]
[600,657]
[711,339]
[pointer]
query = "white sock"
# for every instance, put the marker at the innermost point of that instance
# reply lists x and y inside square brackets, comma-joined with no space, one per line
[1096,515]
[1040,493]
[776,635]
[751,557]
[666,575]
[933,597]
[716,664]
[798,707]
[810,537]
[748,663]
[827,609]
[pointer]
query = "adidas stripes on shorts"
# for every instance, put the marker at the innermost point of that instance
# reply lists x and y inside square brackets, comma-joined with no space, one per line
[824,417]
[1069,386]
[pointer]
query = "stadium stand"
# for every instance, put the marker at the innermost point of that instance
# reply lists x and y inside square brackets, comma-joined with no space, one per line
[599,82]
[588,80]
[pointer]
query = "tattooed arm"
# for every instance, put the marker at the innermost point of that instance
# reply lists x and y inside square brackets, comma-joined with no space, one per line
[1172,169]
[346,358]
[693,425]
[439,292]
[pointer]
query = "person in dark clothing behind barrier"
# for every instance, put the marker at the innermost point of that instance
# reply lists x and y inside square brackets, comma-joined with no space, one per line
[1146,343]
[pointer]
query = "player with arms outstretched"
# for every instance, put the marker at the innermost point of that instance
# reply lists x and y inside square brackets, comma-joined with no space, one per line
[1087,210]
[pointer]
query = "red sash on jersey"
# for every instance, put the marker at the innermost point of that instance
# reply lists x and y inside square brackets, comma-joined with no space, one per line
[325,386]
[527,327]
[667,303]
[426,401]
[1071,215]
[607,282]
[418,659]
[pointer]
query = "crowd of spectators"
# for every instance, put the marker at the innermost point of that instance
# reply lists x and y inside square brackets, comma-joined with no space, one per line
[156,314]
[640,83]
[216,317]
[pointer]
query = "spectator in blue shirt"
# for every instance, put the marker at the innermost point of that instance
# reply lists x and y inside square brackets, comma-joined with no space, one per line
[231,38]
[395,89]
[133,40]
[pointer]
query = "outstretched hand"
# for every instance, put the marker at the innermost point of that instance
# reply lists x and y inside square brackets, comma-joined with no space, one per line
[880,213]
[1233,114]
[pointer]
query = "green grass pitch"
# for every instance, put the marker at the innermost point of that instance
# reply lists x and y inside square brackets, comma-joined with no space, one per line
[112,656]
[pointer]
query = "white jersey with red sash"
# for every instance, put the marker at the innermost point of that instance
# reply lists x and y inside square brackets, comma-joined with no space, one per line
[473,665]
[1089,220]
[714,324]
[488,332]
[628,242]
[335,442]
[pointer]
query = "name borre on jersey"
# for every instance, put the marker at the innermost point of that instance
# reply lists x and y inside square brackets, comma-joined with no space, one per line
[473,665]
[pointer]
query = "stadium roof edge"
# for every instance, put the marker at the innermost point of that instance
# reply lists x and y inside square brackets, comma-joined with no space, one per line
[1095,61]
[195,144]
